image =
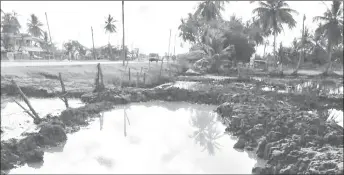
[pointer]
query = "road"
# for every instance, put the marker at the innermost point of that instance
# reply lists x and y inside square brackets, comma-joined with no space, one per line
[60,63]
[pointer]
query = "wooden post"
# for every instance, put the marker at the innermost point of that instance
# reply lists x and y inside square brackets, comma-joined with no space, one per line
[141,70]
[144,79]
[99,82]
[137,79]
[94,52]
[25,110]
[26,100]
[63,91]
[129,74]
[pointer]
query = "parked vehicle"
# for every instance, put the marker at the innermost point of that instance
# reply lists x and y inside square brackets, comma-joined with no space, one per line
[153,57]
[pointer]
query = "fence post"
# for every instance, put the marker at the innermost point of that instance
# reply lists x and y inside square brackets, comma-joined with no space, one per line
[129,75]
[144,79]
[137,79]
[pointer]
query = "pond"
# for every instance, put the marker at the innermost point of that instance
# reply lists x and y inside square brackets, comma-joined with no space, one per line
[14,121]
[161,137]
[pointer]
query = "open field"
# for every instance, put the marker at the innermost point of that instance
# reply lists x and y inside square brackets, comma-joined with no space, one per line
[82,77]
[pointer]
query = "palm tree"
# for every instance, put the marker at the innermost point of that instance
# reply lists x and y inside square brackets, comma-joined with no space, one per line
[210,10]
[272,15]
[214,47]
[332,29]
[34,26]
[10,23]
[110,28]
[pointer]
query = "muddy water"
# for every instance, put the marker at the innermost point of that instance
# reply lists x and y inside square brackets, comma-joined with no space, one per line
[14,121]
[163,137]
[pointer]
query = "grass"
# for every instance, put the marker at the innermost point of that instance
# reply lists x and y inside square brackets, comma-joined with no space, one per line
[82,77]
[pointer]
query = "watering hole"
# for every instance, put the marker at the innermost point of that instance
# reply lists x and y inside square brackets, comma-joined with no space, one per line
[161,137]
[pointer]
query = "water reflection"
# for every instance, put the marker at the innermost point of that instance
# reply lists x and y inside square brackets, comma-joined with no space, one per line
[206,132]
[160,140]
[320,87]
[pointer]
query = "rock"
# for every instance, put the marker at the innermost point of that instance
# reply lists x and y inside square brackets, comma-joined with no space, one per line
[333,138]
[273,136]
[276,155]
[33,156]
[261,147]
[235,121]
[256,132]
[241,142]
[52,135]
[290,169]
[225,109]
[258,170]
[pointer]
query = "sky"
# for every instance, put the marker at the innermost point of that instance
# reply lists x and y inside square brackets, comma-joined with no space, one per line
[147,23]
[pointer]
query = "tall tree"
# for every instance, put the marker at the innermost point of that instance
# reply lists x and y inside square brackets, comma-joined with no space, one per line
[10,23]
[210,10]
[272,15]
[332,29]
[34,26]
[110,28]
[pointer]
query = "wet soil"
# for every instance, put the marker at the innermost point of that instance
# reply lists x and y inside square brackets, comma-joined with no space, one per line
[278,126]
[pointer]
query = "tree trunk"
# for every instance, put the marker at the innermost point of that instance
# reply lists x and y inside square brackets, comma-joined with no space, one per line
[124,55]
[302,49]
[329,64]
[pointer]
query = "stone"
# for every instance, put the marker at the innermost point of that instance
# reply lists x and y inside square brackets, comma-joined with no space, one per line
[240,143]
[290,169]
[52,135]
[261,147]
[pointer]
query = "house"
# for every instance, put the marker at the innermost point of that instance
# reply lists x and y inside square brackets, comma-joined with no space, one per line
[23,46]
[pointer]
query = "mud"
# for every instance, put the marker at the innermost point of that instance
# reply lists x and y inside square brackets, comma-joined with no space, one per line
[52,133]
[277,126]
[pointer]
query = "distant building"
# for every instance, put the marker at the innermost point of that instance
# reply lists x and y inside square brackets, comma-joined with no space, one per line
[22,46]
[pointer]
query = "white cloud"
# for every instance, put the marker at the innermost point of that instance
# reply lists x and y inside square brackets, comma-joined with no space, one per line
[147,23]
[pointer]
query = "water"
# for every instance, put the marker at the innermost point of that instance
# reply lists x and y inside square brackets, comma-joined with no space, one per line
[14,121]
[163,137]
[336,115]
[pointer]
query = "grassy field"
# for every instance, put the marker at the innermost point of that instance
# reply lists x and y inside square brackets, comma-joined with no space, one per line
[82,77]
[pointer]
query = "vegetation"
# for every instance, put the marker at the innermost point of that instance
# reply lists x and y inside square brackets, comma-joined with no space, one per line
[34,27]
[110,28]
[332,29]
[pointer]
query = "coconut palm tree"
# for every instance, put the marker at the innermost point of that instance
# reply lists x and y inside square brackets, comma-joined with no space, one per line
[210,10]
[110,28]
[332,29]
[272,15]
[34,26]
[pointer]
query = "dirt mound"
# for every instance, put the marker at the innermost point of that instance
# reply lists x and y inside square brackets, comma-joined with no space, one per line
[29,150]
[285,136]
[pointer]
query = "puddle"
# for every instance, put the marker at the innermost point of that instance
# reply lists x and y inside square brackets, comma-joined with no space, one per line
[327,88]
[14,121]
[163,137]
[336,115]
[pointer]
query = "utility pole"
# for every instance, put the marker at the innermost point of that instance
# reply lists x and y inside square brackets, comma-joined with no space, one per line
[51,42]
[169,43]
[46,17]
[123,44]
[174,49]
[94,53]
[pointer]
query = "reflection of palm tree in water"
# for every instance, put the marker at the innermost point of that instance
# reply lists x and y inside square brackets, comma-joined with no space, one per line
[206,135]
[101,117]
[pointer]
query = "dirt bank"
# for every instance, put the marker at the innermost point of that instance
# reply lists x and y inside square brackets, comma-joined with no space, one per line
[52,132]
[278,129]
